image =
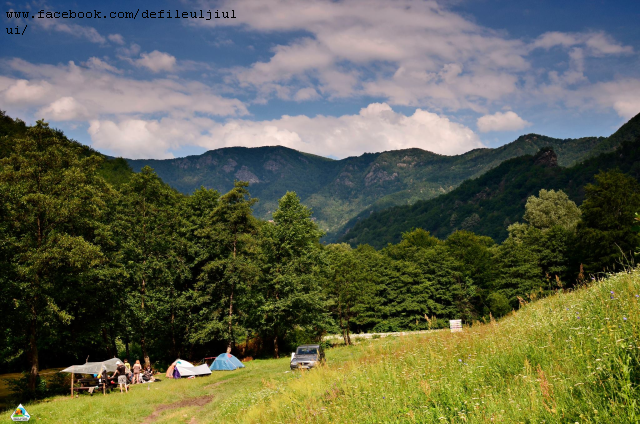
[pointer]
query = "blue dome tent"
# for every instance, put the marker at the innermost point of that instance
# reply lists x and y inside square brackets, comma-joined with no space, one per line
[226,362]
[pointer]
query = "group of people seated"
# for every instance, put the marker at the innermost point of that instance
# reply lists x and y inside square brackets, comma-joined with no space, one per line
[131,375]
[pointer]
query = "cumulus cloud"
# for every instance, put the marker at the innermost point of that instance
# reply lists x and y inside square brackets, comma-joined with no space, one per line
[409,52]
[116,38]
[306,94]
[499,121]
[573,87]
[64,109]
[88,33]
[375,128]
[156,61]
[21,92]
[70,92]
[132,138]
[597,43]
[101,65]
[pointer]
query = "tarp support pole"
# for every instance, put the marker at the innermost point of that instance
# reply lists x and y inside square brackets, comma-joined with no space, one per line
[72,385]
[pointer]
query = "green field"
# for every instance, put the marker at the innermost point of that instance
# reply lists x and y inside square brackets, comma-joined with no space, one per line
[572,357]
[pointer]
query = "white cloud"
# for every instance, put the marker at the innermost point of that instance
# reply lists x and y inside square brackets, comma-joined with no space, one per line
[88,33]
[409,52]
[96,92]
[376,128]
[596,43]
[132,50]
[156,61]
[23,92]
[573,87]
[499,121]
[622,95]
[116,38]
[100,65]
[132,138]
[64,109]
[306,94]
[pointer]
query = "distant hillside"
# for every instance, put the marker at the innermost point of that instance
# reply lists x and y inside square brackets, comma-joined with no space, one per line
[114,170]
[341,191]
[489,204]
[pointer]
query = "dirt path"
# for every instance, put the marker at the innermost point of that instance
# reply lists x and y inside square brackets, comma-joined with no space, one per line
[199,401]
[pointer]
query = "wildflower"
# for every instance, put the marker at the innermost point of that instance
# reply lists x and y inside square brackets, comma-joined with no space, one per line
[459,360]
[624,318]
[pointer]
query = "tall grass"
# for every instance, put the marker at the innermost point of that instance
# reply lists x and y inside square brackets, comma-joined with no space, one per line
[572,357]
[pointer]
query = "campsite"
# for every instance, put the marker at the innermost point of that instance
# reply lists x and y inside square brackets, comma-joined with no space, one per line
[516,369]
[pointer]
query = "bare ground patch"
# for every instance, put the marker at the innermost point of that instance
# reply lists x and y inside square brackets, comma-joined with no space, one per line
[198,401]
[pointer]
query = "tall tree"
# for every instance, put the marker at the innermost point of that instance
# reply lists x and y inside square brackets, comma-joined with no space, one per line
[149,224]
[53,203]
[196,211]
[605,232]
[291,295]
[230,240]
[350,286]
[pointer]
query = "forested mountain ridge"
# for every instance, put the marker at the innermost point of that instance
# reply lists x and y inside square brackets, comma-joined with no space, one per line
[114,170]
[340,190]
[487,205]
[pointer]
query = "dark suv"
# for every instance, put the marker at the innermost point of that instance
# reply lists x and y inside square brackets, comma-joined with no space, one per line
[307,356]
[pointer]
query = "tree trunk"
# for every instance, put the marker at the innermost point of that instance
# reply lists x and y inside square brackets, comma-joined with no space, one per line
[33,349]
[114,347]
[230,343]
[173,333]
[105,338]
[275,347]
[348,338]
[126,345]
[344,333]
[143,345]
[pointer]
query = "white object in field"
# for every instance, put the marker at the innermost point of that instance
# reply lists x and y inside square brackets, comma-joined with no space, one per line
[455,325]
[293,354]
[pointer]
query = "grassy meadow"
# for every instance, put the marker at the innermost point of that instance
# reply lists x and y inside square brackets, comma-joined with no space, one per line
[572,357]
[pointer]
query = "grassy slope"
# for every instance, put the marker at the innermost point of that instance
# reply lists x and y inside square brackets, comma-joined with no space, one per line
[568,358]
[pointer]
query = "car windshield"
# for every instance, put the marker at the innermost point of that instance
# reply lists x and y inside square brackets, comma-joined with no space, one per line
[307,351]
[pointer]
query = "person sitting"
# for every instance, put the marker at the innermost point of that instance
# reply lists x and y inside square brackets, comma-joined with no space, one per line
[148,376]
[121,372]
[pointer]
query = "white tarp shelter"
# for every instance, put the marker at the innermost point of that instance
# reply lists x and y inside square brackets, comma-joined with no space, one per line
[193,371]
[93,367]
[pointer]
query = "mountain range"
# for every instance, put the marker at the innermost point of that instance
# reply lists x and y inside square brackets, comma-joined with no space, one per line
[372,198]
[342,192]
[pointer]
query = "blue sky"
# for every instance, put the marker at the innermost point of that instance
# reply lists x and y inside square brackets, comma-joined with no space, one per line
[334,78]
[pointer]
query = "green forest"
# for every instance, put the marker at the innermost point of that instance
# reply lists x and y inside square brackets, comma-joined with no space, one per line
[96,260]
[342,192]
[488,204]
